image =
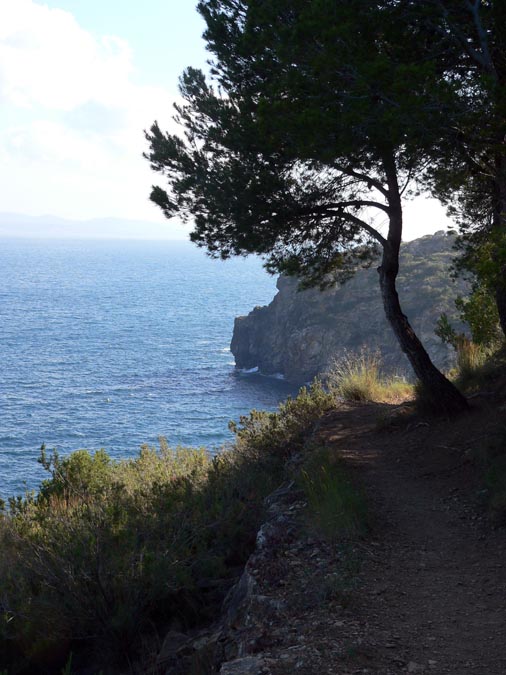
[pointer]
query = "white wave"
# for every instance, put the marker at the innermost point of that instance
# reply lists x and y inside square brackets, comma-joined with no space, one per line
[248,371]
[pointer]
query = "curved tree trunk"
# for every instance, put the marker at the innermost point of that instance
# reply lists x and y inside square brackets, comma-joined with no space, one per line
[445,395]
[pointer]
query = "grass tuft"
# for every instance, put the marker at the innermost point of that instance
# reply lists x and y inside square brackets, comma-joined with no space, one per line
[357,376]
[479,367]
[336,507]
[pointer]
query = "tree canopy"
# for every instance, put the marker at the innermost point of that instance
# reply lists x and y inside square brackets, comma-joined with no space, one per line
[469,165]
[316,124]
[290,144]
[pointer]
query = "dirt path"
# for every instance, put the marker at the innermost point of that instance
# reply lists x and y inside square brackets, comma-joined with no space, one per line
[429,592]
[433,583]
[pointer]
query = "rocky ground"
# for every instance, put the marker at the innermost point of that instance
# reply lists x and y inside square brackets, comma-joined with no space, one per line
[425,591]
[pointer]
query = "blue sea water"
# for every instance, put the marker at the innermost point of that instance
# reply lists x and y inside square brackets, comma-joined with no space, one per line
[111,344]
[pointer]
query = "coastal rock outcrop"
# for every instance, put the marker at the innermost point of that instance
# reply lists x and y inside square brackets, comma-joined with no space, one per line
[301,332]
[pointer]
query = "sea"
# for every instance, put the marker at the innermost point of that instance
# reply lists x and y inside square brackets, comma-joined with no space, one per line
[113,344]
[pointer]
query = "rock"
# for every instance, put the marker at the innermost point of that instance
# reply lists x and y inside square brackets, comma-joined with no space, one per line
[237,602]
[273,532]
[300,333]
[174,641]
[250,665]
[414,667]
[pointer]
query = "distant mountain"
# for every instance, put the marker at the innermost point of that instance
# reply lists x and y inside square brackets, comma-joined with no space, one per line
[300,333]
[18,225]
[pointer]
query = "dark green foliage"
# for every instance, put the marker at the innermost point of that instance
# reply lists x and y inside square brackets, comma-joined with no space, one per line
[284,154]
[479,311]
[316,124]
[446,332]
[108,550]
[469,162]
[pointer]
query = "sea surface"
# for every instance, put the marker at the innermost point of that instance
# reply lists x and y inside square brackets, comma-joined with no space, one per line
[112,344]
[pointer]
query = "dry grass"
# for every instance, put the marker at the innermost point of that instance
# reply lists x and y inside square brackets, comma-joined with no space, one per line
[357,376]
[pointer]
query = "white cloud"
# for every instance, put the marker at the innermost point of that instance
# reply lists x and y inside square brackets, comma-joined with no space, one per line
[46,58]
[78,151]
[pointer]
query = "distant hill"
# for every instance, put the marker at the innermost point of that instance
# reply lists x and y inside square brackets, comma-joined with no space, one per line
[300,333]
[17,225]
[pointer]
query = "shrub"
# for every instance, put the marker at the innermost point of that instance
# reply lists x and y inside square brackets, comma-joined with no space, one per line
[476,357]
[108,549]
[283,431]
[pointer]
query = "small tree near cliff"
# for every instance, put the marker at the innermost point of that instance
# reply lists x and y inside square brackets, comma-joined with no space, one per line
[312,130]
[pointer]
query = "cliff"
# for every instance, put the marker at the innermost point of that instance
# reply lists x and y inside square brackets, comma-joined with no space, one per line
[300,333]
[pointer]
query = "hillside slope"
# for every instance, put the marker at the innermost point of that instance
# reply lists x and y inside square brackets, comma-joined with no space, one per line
[300,333]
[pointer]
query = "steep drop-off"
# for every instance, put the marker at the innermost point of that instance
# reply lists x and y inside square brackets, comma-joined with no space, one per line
[301,332]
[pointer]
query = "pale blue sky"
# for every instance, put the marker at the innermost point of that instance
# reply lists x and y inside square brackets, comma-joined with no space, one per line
[79,82]
[164,34]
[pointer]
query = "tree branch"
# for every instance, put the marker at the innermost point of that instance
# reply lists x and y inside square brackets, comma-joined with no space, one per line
[474,8]
[365,226]
[371,182]
[482,58]
[359,203]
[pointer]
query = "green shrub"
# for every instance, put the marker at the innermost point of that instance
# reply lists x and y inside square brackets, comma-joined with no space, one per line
[283,431]
[109,549]
[475,358]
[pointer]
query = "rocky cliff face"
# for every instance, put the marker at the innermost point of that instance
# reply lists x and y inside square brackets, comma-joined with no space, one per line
[301,332]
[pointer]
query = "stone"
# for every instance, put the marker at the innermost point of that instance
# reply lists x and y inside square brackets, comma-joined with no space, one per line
[249,665]
[173,642]
[414,667]
[239,598]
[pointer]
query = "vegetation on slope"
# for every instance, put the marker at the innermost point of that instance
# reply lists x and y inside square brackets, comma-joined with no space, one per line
[109,553]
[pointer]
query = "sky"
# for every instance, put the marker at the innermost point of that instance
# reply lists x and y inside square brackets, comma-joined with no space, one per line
[80,80]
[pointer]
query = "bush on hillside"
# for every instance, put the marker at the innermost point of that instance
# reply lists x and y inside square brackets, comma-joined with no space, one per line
[109,549]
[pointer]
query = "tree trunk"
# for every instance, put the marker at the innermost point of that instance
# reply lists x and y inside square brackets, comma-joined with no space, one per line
[446,397]
[499,224]
[500,300]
